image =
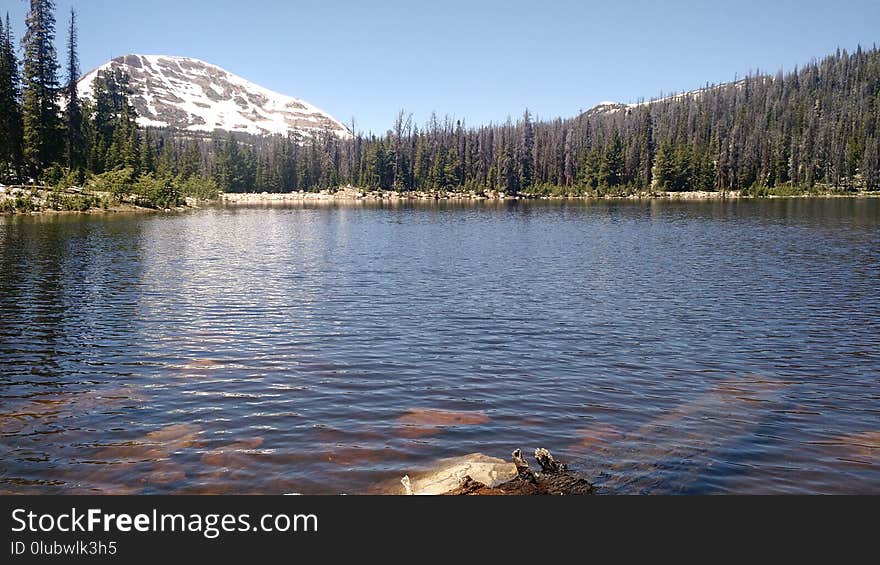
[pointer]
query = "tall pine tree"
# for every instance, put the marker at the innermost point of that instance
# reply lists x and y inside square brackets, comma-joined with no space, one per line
[114,140]
[10,108]
[42,124]
[525,157]
[73,116]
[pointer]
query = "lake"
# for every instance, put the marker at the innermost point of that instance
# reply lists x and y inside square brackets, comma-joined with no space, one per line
[658,347]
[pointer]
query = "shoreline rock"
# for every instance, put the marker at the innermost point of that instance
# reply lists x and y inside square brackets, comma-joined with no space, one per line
[481,475]
[349,194]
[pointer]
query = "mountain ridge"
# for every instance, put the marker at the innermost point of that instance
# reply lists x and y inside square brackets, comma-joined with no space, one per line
[189,94]
[610,106]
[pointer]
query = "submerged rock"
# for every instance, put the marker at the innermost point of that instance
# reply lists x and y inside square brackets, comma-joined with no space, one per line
[428,421]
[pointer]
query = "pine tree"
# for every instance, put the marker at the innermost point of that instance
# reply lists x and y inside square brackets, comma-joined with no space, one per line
[663,174]
[647,156]
[507,177]
[73,115]
[10,108]
[383,166]
[422,165]
[146,154]
[611,166]
[131,144]
[248,170]
[853,160]
[166,167]
[236,167]
[114,140]
[42,125]
[524,156]
[588,176]
[871,164]
[190,163]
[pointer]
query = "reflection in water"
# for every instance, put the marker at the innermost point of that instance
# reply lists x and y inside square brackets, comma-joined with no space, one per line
[325,349]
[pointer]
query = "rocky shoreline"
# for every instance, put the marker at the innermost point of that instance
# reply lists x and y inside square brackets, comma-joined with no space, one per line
[43,200]
[36,198]
[350,194]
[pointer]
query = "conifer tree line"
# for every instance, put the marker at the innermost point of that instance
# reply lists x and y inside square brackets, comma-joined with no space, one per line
[817,127]
[814,127]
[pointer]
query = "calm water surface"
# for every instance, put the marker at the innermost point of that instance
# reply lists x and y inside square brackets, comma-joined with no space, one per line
[659,347]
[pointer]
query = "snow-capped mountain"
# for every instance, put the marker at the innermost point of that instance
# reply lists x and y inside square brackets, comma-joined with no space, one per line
[189,94]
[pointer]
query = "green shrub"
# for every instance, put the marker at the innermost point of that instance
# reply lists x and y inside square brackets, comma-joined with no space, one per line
[119,183]
[59,200]
[70,179]
[53,199]
[24,204]
[615,191]
[760,191]
[202,188]
[53,174]
[160,192]
[80,202]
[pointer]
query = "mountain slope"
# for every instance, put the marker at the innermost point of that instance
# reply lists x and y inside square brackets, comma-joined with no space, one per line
[189,94]
[608,107]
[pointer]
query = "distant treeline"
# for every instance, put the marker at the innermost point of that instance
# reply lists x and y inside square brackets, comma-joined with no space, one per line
[816,127]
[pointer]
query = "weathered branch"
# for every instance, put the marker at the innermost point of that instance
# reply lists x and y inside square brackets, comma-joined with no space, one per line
[407,485]
[548,464]
[555,478]
[523,471]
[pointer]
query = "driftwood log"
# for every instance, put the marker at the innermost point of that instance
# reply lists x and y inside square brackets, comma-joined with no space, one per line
[553,478]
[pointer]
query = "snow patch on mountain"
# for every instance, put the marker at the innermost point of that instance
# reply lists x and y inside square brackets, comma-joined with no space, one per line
[608,107]
[192,95]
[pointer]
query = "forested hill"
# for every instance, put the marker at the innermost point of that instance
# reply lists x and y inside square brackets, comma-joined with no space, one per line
[815,127]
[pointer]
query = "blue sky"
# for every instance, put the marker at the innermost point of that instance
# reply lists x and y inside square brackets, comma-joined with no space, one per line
[476,60]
